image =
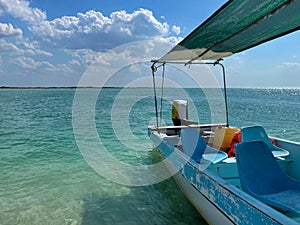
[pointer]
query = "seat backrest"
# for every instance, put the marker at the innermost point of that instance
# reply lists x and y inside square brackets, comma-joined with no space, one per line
[258,169]
[256,133]
[192,143]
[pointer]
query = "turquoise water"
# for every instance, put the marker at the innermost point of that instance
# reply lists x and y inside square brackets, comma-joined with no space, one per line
[45,179]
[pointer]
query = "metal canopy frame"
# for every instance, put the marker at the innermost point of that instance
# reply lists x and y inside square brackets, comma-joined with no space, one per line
[154,68]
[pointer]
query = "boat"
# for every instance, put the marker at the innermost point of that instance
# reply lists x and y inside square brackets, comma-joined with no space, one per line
[260,183]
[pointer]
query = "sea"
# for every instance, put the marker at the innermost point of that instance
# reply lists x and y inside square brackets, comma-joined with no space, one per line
[48,175]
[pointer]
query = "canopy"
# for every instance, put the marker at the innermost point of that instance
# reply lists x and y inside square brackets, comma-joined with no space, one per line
[238,25]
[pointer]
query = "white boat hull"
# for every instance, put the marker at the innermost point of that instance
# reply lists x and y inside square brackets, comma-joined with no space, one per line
[207,210]
[217,201]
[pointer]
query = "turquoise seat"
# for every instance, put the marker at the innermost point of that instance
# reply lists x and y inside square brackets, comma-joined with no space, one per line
[196,148]
[262,177]
[258,133]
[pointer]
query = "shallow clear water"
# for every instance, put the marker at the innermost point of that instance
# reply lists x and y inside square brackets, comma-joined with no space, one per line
[45,179]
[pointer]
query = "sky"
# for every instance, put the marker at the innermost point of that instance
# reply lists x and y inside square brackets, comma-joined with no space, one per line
[56,43]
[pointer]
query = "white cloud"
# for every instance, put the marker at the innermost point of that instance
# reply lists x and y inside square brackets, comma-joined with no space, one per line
[7,30]
[83,56]
[6,47]
[114,63]
[30,63]
[33,48]
[21,48]
[92,30]
[79,40]
[176,29]
[291,65]
[42,52]
[74,62]
[21,9]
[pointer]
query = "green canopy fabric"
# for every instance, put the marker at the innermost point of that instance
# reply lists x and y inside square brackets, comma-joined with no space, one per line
[238,25]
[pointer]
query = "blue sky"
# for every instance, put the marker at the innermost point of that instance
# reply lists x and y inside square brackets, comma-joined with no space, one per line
[53,43]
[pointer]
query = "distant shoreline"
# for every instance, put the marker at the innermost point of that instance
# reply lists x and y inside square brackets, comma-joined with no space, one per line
[5,87]
[90,87]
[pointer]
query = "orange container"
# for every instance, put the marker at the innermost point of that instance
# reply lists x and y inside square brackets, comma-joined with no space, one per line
[223,137]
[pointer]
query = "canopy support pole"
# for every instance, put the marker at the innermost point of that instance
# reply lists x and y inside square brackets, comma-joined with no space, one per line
[225,91]
[162,93]
[154,69]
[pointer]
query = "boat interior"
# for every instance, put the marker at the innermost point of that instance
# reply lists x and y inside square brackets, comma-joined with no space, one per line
[210,144]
